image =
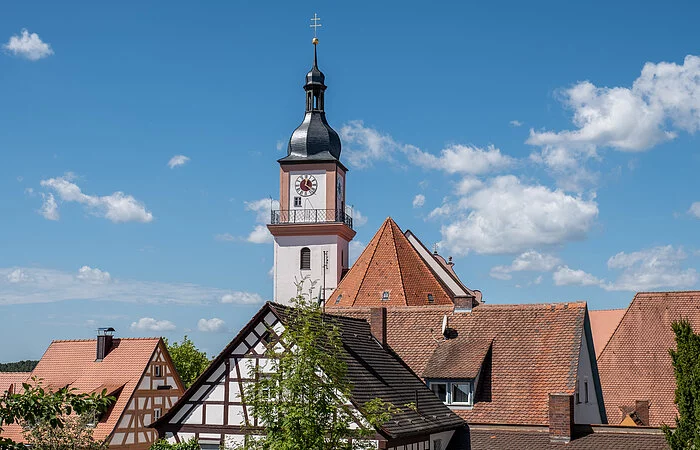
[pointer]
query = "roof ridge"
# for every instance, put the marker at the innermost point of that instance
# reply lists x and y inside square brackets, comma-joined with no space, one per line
[116,338]
[617,327]
[392,227]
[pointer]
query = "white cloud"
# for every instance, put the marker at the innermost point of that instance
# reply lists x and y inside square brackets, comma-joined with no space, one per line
[564,276]
[654,268]
[527,261]
[213,325]
[117,207]
[28,45]
[419,201]
[47,286]
[281,145]
[49,209]
[468,184]
[262,207]
[93,275]
[151,324]
[663,100]
[695,209]
[507,216]
[355,250]
[358,219]
[17,276]
[225,237]
[464,159]
[178,160]
[241,298]
[368,145]
[516,123]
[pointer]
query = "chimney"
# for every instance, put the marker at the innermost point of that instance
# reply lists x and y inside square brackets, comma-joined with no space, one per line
[463,304]
[104,342]
[561,417]
[377,324]
[641,407]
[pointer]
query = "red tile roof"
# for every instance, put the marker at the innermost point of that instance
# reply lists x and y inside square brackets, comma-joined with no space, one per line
[389,263]
[635,364]
[603,325]
[534,352]
[73,363]
[15,379]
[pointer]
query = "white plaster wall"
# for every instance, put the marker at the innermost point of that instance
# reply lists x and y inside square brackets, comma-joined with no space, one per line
[445,436]
[315,201]
[585,413]
[287,260]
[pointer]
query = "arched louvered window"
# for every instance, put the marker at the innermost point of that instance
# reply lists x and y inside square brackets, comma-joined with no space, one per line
[305,260]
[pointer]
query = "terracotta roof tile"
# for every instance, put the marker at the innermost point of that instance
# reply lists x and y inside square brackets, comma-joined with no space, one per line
[389,263]
[14,379]
[73,363]
[603,325]
[535,351]
[635,363]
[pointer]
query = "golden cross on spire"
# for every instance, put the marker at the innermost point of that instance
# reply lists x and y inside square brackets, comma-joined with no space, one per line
[315,19]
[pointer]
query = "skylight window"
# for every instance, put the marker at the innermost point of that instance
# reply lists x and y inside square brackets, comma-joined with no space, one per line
[431,299]
[385,296]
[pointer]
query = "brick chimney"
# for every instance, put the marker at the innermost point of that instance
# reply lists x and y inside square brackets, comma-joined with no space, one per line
[104,342]
[377,324]
[561,417]
[641,407]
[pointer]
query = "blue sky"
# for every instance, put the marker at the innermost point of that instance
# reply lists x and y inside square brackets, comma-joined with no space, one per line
[550,147]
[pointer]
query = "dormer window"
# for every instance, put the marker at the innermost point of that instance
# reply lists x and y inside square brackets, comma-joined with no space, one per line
[385,296]
[453,392]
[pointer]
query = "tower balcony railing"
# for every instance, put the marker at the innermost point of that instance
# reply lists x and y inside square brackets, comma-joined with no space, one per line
[296,216]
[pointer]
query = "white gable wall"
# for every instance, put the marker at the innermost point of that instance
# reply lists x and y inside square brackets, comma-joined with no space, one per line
[585,412]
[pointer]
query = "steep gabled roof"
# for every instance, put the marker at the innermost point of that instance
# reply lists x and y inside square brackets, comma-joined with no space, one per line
[72,363]
[603,325]
[373,371]
[635,363]
[534,352]
[391,264]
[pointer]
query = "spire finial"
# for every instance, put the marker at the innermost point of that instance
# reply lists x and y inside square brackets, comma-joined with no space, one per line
[315,19]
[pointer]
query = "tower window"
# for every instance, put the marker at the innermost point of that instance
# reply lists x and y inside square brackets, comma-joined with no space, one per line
[297,202]
[431,299]
[385,296]
[305,259]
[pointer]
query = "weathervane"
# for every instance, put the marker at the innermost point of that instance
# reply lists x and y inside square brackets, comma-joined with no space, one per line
[315,19]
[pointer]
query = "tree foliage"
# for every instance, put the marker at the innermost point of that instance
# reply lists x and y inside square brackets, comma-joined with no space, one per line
[165,445]
[301,393]
[38,407]
[686,365]
[26,365]
[188,360]
[75,434]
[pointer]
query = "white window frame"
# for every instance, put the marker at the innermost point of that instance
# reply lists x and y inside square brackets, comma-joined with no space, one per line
[157,370]
[450,384]
[297,202]
[157,412]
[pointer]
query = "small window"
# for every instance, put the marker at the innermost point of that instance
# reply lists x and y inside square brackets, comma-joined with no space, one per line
[305,259]
[338,299]
[585,391]
[385,296]
[440,390]
[431,299]
[462,393]
[156,413]
[158,371]
[297,202]
[265,338]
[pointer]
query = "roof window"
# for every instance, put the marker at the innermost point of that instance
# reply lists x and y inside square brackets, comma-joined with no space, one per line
[385,296]
[431,299]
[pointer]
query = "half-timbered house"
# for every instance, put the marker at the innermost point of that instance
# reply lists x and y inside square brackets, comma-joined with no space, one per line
[138,372]
[215,413]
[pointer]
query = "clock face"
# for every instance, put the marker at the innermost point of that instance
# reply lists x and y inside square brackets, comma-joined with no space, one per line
[306,185]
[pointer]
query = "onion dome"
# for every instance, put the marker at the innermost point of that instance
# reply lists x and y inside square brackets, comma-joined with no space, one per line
[314,139]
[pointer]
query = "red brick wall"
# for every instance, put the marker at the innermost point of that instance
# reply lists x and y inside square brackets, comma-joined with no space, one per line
[561,417]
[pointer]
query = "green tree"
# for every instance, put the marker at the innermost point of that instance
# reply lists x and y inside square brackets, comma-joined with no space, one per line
[35,406]
[301,395]
[188,360]
[165,445]
[686,365]
[25,365]
[76,433]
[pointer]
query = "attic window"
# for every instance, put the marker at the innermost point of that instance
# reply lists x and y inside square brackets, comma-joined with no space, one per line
[157,413]
[337,300]
[431,299]
[454,392]
[157,371]
[385,296]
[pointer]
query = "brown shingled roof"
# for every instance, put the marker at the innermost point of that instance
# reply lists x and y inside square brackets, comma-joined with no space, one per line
[636,365]
[73,363]
[535,351]
[389,263]
[603,325]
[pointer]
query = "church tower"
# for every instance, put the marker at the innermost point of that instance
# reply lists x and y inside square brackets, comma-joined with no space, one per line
[312,229]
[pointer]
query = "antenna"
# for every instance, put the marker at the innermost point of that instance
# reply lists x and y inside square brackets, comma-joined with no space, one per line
[444,325]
